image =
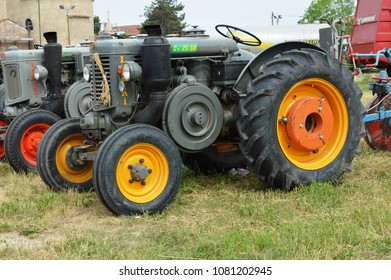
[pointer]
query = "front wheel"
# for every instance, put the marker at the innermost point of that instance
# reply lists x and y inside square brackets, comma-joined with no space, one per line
[23,137]
[301,120]
[218,158]
[57,160]
[138,169]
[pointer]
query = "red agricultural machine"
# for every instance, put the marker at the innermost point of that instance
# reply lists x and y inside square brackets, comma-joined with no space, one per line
[370,46]
[371,34]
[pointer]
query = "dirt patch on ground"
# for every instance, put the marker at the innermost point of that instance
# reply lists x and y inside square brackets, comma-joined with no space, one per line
[17,240]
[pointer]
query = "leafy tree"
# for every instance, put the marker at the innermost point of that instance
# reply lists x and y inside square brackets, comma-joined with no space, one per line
[97,25]
[330,10]
[167,13]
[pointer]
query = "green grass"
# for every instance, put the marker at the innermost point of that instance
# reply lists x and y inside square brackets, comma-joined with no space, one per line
[215,217]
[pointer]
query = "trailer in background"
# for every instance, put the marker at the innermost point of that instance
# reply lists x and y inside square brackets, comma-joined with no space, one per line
[371,33]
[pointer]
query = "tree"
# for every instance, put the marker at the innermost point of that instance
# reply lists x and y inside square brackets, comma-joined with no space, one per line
[168,14]
[330,10]
[97,25]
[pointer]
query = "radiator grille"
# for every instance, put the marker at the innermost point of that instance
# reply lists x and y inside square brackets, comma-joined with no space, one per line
[13,84]
[98,77]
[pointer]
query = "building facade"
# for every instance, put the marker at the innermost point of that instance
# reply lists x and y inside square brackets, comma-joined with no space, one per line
[71,19]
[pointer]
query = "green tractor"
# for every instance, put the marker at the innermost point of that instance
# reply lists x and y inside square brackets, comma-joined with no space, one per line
[32,96]
[291,114]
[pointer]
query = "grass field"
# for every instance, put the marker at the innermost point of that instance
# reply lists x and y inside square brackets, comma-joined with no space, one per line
[215,217]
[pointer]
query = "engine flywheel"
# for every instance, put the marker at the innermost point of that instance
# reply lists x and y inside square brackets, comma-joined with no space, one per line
[193,117]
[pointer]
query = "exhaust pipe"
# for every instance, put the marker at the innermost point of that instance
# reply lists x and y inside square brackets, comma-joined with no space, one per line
[53,58]
[156,74]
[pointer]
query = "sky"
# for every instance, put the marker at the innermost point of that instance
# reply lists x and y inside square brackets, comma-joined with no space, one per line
[208,13]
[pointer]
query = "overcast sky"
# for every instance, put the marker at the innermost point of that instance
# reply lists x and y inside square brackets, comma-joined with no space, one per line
[206,13]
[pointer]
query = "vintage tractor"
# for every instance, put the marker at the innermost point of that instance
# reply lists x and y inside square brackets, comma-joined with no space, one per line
[292,112]
[32,96]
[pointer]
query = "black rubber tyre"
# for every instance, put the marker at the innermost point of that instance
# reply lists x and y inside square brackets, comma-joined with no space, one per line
[306,75]
[2,98]
[211,161]
[23,137]
[52,163]
[3,122]
[137,147]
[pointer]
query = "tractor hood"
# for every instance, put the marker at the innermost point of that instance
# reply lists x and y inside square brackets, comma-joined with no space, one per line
[180,47]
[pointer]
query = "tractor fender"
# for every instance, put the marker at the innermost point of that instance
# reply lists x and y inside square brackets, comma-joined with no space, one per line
[251,70]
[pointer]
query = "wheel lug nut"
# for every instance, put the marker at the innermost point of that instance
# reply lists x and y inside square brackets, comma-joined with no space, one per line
[141,160]
[130,166]
[143,183]
[150,170]
[131,181]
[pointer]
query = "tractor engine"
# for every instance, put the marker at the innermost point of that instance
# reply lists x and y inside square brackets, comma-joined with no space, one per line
[38,79]
[183,85]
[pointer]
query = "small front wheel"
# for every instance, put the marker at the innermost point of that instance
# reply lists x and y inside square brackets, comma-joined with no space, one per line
[58,163]
[218,158]
[138,169]
[23,137]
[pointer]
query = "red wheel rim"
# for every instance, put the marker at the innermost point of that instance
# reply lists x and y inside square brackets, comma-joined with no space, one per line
[2,152]
[379,132]
[30,141]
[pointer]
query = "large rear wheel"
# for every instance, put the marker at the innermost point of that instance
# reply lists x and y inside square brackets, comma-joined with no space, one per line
[301,120]
[23,137]
[58,161]
[137,169]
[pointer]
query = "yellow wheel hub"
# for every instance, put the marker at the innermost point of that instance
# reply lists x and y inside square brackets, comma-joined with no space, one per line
[142,173]
[74,174]
[312,124]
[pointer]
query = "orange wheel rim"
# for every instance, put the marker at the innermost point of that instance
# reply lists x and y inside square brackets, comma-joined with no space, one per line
[148,158]
[312,124]
[30,141]
[76,175]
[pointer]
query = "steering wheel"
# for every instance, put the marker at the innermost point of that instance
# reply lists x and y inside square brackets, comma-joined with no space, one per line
[251,41]
[118,36]
[38,46]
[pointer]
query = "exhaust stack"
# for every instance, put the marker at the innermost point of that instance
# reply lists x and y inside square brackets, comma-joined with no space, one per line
[53,56]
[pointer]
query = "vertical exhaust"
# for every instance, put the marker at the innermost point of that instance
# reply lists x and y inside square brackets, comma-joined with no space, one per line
[53,61]
[53,56]
[156,74]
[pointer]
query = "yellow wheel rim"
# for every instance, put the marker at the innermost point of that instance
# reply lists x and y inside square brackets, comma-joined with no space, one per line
[147,157]
[77,175]
[312,124]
